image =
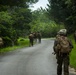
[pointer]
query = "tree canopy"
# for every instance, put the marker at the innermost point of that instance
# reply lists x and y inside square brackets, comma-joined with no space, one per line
[41,23]
[63,11]
[15,17]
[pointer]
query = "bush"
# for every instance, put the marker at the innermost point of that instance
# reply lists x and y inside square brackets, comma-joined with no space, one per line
[22,39]
[23,42]
[7,41]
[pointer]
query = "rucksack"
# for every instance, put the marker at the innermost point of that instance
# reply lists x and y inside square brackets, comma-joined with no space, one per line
[63,44]
[31,36]
[57,46]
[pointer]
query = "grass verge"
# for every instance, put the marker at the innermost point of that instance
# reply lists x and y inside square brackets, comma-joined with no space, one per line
[73,54]
[21,43]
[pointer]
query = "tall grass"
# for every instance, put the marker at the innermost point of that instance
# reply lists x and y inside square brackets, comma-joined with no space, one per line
[73,53]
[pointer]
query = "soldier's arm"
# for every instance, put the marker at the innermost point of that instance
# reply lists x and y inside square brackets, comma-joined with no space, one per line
[55,44]
[70,43]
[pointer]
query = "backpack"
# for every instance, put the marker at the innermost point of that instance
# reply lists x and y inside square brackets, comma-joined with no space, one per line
[63,44]
[57,46]
[31,36]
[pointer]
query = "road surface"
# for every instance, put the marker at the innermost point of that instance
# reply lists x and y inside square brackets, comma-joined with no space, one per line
[36,60]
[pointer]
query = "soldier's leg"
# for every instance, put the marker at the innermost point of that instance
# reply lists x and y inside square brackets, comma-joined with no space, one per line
[39,40]
[59,66]
[66,65]
[29,42]
[35,40]
[32,42]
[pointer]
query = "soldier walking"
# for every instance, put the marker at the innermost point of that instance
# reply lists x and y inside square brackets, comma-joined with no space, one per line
[63,52]
[35,36]
[1,42]
[31,39]
[39,37]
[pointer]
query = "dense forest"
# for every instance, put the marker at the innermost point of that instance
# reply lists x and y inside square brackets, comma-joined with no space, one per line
[15,17]
[63,11]
[18,20]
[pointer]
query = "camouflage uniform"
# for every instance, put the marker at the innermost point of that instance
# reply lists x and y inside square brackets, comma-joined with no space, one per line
[39,37]
[31,39]
[62,58]
[35,36]
[55,44]
[1,42]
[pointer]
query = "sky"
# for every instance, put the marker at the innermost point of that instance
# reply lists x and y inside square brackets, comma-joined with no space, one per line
[40,3]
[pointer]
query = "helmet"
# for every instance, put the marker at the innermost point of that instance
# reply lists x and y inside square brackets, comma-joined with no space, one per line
[63,31]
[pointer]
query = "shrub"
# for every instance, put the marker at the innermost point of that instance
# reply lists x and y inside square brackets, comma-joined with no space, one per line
[7,41]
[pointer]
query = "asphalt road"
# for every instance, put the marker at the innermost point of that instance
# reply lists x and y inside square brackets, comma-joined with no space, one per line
[36,60]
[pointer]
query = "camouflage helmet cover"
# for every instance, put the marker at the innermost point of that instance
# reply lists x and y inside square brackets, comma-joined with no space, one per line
[62,31]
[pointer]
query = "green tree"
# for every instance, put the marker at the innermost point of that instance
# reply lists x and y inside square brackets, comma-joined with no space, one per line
[63,11]
[42,23]
[15,17]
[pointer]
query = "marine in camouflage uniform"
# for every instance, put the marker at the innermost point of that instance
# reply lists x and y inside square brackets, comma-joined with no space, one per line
[1,42]
[31,39]
[35,36]
[62,59]
[39,37]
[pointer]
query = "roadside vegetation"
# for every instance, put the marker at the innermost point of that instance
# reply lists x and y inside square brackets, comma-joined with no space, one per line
[73,53]
[73,57]
[22,42]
